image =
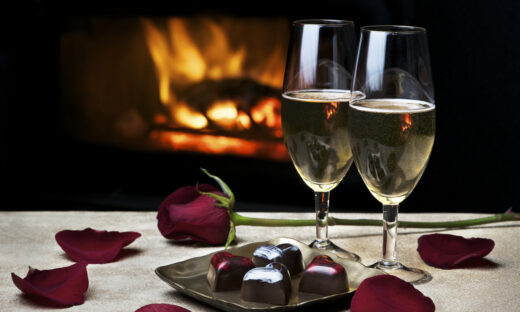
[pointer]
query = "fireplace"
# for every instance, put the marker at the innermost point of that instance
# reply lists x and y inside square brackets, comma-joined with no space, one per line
[200,84]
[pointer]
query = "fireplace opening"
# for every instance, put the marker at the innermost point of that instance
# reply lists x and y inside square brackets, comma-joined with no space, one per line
[207,85]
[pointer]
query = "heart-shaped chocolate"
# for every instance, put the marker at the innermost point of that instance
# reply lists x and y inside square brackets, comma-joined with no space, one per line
[226,271]
[291,257]
[270,284]
[287,254]
[324,276]
[266,254]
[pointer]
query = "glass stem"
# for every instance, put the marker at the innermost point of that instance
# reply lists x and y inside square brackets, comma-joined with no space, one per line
[321,204]
[390,213]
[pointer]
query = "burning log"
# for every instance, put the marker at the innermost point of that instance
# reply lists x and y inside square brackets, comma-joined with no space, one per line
[245,92]
[229,106]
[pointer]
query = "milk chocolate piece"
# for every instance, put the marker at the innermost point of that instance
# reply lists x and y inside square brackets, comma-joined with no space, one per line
[270,284]
[324,276]
[287,254]
[226,271]
[292,258]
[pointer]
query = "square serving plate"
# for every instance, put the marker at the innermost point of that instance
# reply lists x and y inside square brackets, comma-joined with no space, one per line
[189,277]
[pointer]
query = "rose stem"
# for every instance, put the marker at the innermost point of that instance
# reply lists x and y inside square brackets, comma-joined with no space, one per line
[502,217]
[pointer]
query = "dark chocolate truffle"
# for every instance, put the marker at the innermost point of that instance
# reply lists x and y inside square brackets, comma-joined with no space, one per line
[226,271]
[291,257]
[287,254]
[270,284]
[324,276]
[266,254]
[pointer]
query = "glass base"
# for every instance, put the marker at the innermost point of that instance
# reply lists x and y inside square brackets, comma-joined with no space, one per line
[330,246]
[410,275]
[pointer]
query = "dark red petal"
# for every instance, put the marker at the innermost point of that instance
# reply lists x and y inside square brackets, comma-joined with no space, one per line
[188,193]
[448,251]
[389,293]
[94,246]
[161,307]
[187,215]
[62,287]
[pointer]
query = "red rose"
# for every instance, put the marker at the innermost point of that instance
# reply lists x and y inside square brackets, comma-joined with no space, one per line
[188,214]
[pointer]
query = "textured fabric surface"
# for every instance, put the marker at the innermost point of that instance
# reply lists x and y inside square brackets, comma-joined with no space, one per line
[27,239]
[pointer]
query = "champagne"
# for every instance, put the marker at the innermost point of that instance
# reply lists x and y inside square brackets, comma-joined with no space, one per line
[391,141]
[314,125]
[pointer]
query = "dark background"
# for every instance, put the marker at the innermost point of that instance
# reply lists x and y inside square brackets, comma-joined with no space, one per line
[475,58]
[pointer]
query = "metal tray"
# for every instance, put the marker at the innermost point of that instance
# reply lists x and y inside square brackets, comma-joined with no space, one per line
[189,277]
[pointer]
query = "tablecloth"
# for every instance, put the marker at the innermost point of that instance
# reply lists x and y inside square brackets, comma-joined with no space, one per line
[27,239]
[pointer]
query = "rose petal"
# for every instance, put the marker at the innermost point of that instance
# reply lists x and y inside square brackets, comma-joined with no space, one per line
[94,246]
[389,293]
[61,287]
[447,251]
[161,307]
[188,215]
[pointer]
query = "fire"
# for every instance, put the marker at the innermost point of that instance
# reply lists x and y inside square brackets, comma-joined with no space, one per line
[186,116]
[331,109]
[201,52]
[180,59]
[406,122]
[243,120]
[215,144]
[224,113]
[268,112]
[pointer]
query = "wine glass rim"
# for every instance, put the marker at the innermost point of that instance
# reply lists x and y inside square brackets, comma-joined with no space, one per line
[394,29]
[323,22]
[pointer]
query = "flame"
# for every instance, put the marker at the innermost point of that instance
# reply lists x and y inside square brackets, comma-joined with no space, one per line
[268,112]
[331,109]
[243,120]
[224,113]
[273,73]
[406,122]
[223,60]
[180,60]
[186,116]
[189,63]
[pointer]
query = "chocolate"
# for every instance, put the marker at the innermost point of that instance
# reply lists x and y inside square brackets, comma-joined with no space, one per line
[287,254]
[270,284]
[226,271]
[292,258]
[324,276]
[266,254]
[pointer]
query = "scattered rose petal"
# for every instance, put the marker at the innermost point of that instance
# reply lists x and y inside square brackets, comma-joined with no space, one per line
[389,293]
[161,307]
[446,251]
[62,287]
[188,215]
[94,246]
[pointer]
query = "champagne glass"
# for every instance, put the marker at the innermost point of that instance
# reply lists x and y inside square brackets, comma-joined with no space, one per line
[392,128]
[315,99]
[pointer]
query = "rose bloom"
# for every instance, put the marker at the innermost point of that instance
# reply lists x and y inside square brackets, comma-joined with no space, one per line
[188,215]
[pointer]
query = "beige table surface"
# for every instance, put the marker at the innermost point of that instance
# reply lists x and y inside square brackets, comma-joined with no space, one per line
[27,239]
